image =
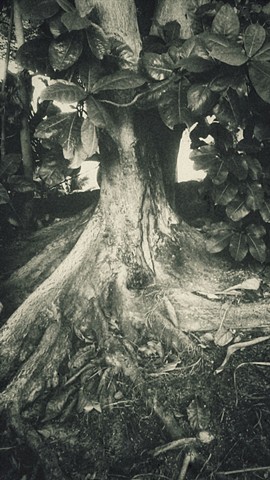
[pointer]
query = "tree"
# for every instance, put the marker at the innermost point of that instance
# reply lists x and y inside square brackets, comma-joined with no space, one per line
[135,270]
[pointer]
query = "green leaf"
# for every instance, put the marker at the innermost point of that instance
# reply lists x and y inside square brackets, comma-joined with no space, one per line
[226,22]
[10,163]
[171,31]
[227,52]
[220,238]
[121,53]
[255,196]
[89,137]
[33,56]
[97,40]
[204,157]
[124,80]
[21,184]
[194,46]
[4,196]
[56,26]
[254,38]
[172,106]
[254,167]
[98,114]
[65,51]
[158,66]
[200,98]
[219,172]
[53,169]
[237,209]
[238,166]
[38,9]
[263,55]
[256,230]
[225,193]
[73,21]
[64,92]
[265,211]
[195,64]
[259,74]
[84,7]
[238,246]
[198,414]
[66,5]
[152,95]
[257,247]
[64,129]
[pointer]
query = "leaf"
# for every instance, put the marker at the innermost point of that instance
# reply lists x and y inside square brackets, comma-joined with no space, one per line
[97,40]
[263,55]
[204,157]
[119,81]
[38,10]
[21,184]
[200,98]
[198,414]
[219,172]
[226,22]
[249,284]
[254,38]
[225,193]
[171,31]
[66,5]
[194,46]
[158,66]
[255,196]
[220,238]
[10,163]
[4,196]
[223,337]
[237,209]
[172,107]
[89,137]
[64,128]
[195,64]
[33,56]
[238,166]
[265,211]
[64,92]
[227,52]
[257,247]
[98,114]
[53,170]
[259,74]
[121,53]
[238,246]
[56,26]
[84,7]
[65,51]
[256,230]
[254,167]
[73,21]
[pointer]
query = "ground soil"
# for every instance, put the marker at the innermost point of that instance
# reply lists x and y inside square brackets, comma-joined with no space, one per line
[222,414]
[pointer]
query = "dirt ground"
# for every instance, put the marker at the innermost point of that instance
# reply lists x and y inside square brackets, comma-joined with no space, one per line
[221,408]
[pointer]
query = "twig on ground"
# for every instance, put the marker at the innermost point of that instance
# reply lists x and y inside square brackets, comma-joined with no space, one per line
[244,470]
[238,346]
[261,364]
[189,457]
[182,442]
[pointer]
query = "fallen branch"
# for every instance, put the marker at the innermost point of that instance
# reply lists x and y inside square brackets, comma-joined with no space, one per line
[238,346]
[245,470]
[182,442]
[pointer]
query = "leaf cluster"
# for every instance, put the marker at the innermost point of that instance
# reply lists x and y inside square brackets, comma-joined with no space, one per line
[222,71]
